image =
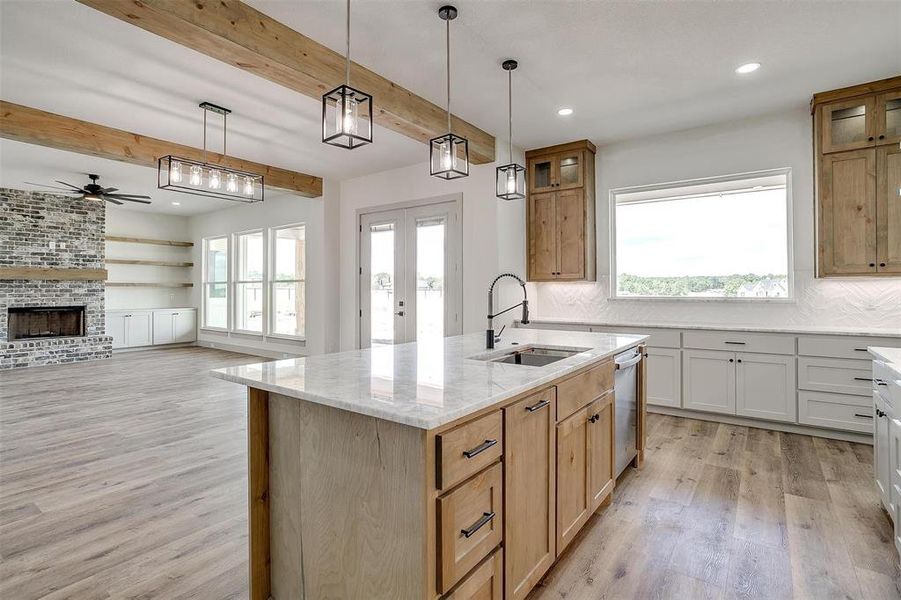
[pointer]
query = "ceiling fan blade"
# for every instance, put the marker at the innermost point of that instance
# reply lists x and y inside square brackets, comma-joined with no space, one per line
[113,201]
[70,185]
[109,190]
[49,186]
[128,196]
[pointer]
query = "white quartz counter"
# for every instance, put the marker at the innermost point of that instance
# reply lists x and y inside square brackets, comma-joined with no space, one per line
[890,356]
[426,384]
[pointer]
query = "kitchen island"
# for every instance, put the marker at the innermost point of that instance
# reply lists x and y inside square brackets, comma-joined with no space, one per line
[431,469]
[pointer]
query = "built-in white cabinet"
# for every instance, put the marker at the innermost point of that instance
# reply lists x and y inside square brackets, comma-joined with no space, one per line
[765,386]
[176,326]
[137,328]
[664,374]
[708,380]
[130,328]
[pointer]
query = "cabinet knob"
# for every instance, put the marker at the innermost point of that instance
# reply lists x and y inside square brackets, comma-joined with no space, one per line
[881,264]
[739,360]
[881,137]
[872,264]
[731,360]
[870,139]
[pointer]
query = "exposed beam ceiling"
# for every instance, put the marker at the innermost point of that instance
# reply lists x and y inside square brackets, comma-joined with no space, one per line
[33,126]
[244,37]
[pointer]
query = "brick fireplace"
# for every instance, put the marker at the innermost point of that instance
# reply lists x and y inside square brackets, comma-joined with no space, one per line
[42,320]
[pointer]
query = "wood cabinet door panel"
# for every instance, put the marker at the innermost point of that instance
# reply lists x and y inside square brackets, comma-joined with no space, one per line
[888,208]
[486,582]
[573,507]
[765,386]
[600,450]
[888,118]
[848,124]
[529,480]
[542,237]
[847,234]
[467,449]
[708,381]
[570,216]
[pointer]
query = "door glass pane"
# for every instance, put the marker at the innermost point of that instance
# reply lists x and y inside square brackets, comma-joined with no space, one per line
[569,170]
[893,118]
[541,174]
[430,278]
[848,125]
[381,289]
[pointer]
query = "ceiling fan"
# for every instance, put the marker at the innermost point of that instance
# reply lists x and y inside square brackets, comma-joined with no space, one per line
[93,191]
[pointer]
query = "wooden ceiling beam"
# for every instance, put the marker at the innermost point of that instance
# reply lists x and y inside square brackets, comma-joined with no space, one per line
[235,33]
[34,126]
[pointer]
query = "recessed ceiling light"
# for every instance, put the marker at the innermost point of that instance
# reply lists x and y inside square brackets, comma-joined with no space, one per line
[747,68]
[176,204]
[565,111]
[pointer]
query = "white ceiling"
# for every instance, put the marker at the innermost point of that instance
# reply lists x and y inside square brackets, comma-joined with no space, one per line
[629,69]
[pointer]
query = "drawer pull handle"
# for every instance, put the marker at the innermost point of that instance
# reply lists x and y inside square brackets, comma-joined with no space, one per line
[538,406]
[878,381]
[860,349]
[863,379]
[735,343]
[479,449]
[478,524]
[863,416]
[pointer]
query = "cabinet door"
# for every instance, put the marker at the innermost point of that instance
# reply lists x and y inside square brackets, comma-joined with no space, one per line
[881,468]
[888,208]
[848,124]
[570,209]
[573,507]
[138,328]
[529,479]
[888,118]
[115,326]
[163,327]
[542,237]
[708,381]
[184,326]
[765,386]
[600,450]
[894,463]
[485,582]
[570,170]
[664,377]
[542,174]
[847,233]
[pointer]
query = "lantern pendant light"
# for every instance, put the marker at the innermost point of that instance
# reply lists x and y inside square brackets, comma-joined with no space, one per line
[511,178]
[347,112]
[449,153]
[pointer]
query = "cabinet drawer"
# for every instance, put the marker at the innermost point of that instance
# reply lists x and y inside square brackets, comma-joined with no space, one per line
[657,338]
[835,411]
[470,525]
[842,346]
[768,343]
[837,375]
[579,390]
[486,582]
[467,449]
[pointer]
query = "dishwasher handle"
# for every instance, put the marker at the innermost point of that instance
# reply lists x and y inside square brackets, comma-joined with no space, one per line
[628,363]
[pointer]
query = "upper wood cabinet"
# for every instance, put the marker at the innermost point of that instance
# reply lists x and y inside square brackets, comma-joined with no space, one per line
[857,132]
[561,213]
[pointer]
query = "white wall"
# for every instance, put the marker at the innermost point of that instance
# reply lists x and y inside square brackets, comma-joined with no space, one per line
[780,140]
[129,223]
[321,282]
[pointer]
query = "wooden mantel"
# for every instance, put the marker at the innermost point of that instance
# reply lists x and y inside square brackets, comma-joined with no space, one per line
[52,274]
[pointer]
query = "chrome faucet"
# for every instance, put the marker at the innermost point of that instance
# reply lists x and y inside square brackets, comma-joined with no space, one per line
[490,338]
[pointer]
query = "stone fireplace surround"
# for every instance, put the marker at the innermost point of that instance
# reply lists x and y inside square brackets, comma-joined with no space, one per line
[49,231]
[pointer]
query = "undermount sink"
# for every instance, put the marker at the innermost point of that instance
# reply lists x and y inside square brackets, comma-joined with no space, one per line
[531,356]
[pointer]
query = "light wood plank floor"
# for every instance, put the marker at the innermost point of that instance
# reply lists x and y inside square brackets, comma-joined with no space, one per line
[126,478]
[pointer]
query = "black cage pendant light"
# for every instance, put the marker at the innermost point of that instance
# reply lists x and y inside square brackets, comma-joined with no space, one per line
[449,153]
[205,178]
[511,178]
[347,112]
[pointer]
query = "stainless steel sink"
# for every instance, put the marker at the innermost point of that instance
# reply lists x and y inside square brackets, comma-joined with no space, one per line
[531,356]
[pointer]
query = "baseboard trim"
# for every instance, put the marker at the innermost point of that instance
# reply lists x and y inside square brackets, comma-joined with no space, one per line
[152,347]
[846,436]
[247,350]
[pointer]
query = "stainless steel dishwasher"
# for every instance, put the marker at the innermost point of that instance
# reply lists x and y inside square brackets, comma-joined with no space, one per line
[626,411]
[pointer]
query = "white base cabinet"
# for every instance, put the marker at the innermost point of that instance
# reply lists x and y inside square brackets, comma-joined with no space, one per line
[708,379]
[765,387]
[174,326]
[130,329]
[137,328]
[664,377]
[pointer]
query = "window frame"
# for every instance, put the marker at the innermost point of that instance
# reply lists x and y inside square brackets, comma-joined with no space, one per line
[786,172]
[235,281]
[271,281]
[204,283]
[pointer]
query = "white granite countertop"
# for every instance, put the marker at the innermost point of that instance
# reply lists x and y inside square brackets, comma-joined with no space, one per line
[797,329]
[426,384]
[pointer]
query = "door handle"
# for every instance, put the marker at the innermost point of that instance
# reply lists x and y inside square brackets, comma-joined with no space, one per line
[399,313]
[478,524]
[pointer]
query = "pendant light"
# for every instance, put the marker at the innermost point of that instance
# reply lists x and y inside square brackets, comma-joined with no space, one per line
[511,178]
[203,178]
[347,112]
[449,153]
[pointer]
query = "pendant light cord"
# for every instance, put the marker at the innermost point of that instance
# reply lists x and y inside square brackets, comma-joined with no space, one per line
[347,53]
[510,112]
[448,78]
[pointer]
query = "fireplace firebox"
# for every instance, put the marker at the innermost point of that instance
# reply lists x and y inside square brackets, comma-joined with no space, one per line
[39,322]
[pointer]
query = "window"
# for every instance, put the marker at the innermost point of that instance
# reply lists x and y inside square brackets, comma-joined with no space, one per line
[287,291]
[249,282]
[718,238]
[215,283]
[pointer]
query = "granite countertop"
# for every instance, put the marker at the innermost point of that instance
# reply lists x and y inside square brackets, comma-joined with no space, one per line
[796,329]
[426,384]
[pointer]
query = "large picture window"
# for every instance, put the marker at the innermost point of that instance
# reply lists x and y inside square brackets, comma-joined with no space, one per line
[287,292]
[249,275]
[721,238]
[215,283]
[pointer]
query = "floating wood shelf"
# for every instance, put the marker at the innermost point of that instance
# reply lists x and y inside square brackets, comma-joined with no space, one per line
[52,274]
[133,240]
[173,284]
[153,263]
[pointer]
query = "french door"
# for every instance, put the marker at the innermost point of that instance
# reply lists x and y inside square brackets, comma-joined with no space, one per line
[410,274]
